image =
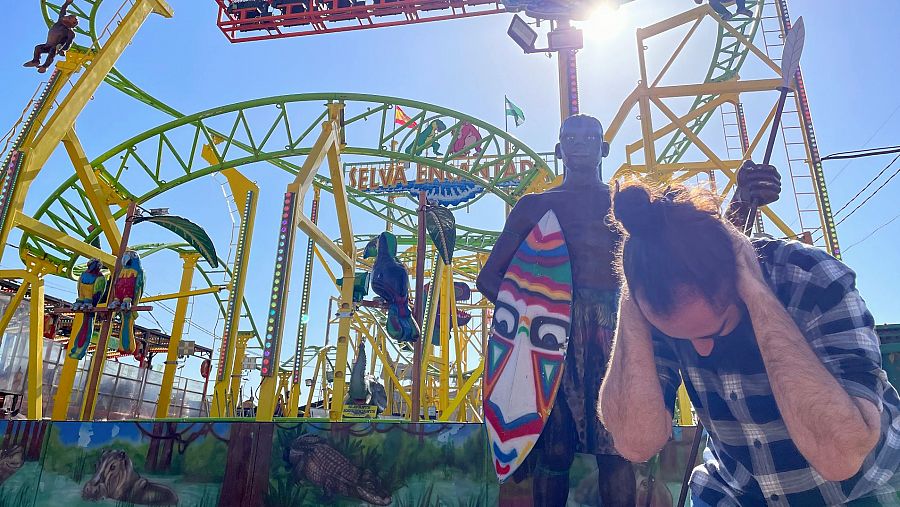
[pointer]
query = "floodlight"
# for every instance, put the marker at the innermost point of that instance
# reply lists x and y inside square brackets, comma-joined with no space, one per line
[522,34]
[565,38]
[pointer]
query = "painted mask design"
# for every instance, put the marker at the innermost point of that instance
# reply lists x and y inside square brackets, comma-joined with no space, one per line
[527,348]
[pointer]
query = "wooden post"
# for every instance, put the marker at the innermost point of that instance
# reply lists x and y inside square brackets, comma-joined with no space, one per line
[96,372]
[419,310]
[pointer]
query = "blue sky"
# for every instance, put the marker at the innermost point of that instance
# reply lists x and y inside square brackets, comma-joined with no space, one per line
[467,65]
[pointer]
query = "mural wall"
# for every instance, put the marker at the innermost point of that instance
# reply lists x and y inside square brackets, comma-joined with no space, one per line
[210,464]
[308,463]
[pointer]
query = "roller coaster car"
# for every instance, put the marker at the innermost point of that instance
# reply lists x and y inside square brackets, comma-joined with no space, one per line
[342,4]
[249,10]
[399,9]
[435,5]
[288,7]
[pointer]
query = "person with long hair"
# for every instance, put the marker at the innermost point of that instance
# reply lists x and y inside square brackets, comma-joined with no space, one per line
[775,346]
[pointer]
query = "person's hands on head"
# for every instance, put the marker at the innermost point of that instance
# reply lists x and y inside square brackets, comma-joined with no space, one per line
[758,183]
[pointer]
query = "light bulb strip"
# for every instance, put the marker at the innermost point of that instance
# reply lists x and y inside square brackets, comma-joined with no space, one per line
[274,321]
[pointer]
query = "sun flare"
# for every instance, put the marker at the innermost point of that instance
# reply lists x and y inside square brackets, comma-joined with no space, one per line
[605,23]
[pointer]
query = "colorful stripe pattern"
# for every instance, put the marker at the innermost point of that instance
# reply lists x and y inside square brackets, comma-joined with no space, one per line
[527,348]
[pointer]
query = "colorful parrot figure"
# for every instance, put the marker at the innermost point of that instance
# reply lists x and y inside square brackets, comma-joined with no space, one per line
[126,293]
[391,281]
[91,286]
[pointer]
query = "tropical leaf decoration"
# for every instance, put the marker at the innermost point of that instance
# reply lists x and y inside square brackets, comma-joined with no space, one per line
[441,227]
[793,49]
[190,232]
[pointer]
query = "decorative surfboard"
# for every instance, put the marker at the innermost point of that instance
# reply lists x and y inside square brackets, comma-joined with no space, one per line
[527,348]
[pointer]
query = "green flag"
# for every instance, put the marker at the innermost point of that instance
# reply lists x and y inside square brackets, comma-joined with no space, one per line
[515,112]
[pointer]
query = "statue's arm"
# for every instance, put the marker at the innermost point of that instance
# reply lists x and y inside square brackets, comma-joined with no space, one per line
[758,184]
[517,227]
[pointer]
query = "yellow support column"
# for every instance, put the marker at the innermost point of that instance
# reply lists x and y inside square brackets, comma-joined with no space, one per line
[66,378]
[345,314]
[240,350]
[685,417]
[36,349]
[165,391]
[245,195]
[446,296]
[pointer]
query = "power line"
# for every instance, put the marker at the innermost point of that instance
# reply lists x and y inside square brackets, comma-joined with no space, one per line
[871,152]
[848,215]
[879,129]
[869,184]
[863,190]
[882,226]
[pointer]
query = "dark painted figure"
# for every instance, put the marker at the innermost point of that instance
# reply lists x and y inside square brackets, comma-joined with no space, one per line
[719,7]
[582,203]
[59,39]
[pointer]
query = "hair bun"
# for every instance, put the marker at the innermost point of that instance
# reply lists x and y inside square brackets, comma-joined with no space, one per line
[637,211]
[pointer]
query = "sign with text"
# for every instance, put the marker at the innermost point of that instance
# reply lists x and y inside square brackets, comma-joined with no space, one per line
[446,187]
[360,411]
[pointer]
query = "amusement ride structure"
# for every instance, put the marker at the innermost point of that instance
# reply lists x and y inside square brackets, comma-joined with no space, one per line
[451,158]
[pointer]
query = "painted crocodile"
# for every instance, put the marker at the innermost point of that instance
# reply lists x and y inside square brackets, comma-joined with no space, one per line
[312,459]
[116,479]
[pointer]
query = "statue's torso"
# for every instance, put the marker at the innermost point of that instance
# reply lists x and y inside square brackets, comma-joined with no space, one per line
[591,241]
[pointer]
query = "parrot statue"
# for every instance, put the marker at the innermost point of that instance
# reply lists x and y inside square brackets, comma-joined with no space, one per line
[125,294]
[91,287]
[391,281]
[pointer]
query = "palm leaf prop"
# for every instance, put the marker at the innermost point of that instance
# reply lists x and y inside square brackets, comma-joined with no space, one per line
[441,227]
[793,49]
[190,232]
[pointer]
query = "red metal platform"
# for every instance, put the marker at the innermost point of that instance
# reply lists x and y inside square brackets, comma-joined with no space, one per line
[250,20]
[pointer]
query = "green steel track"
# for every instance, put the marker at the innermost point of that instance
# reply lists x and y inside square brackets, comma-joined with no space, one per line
[728,58]
[161,166]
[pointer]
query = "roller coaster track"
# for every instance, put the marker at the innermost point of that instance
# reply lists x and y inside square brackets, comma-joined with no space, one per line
[728,58]
[68,209]
[206,271]
[275,130]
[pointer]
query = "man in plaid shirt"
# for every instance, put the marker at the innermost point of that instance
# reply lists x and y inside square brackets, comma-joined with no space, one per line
[777,351]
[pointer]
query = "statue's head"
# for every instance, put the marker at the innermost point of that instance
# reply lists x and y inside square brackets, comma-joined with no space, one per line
[581,146]
[70,21]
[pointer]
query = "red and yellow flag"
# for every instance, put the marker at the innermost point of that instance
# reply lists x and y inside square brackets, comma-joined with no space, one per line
[401,118]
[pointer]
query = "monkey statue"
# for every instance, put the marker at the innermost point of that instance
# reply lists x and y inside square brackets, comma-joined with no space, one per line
[59,39]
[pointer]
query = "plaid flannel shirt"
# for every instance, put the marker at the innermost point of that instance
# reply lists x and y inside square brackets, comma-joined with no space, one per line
[755,461]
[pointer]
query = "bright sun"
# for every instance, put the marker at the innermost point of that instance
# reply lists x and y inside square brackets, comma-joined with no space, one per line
[605,22]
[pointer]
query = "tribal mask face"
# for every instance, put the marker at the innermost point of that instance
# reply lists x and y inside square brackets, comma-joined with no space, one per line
[527,347]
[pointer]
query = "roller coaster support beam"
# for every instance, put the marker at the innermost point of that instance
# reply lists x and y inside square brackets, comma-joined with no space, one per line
[419,312]
[33,280]
[240,350]
[185,294]
[66,380]
[93,189]
[165,390]
[294,400]
[43,231]
[327,147]
[245,194]
[38,152]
